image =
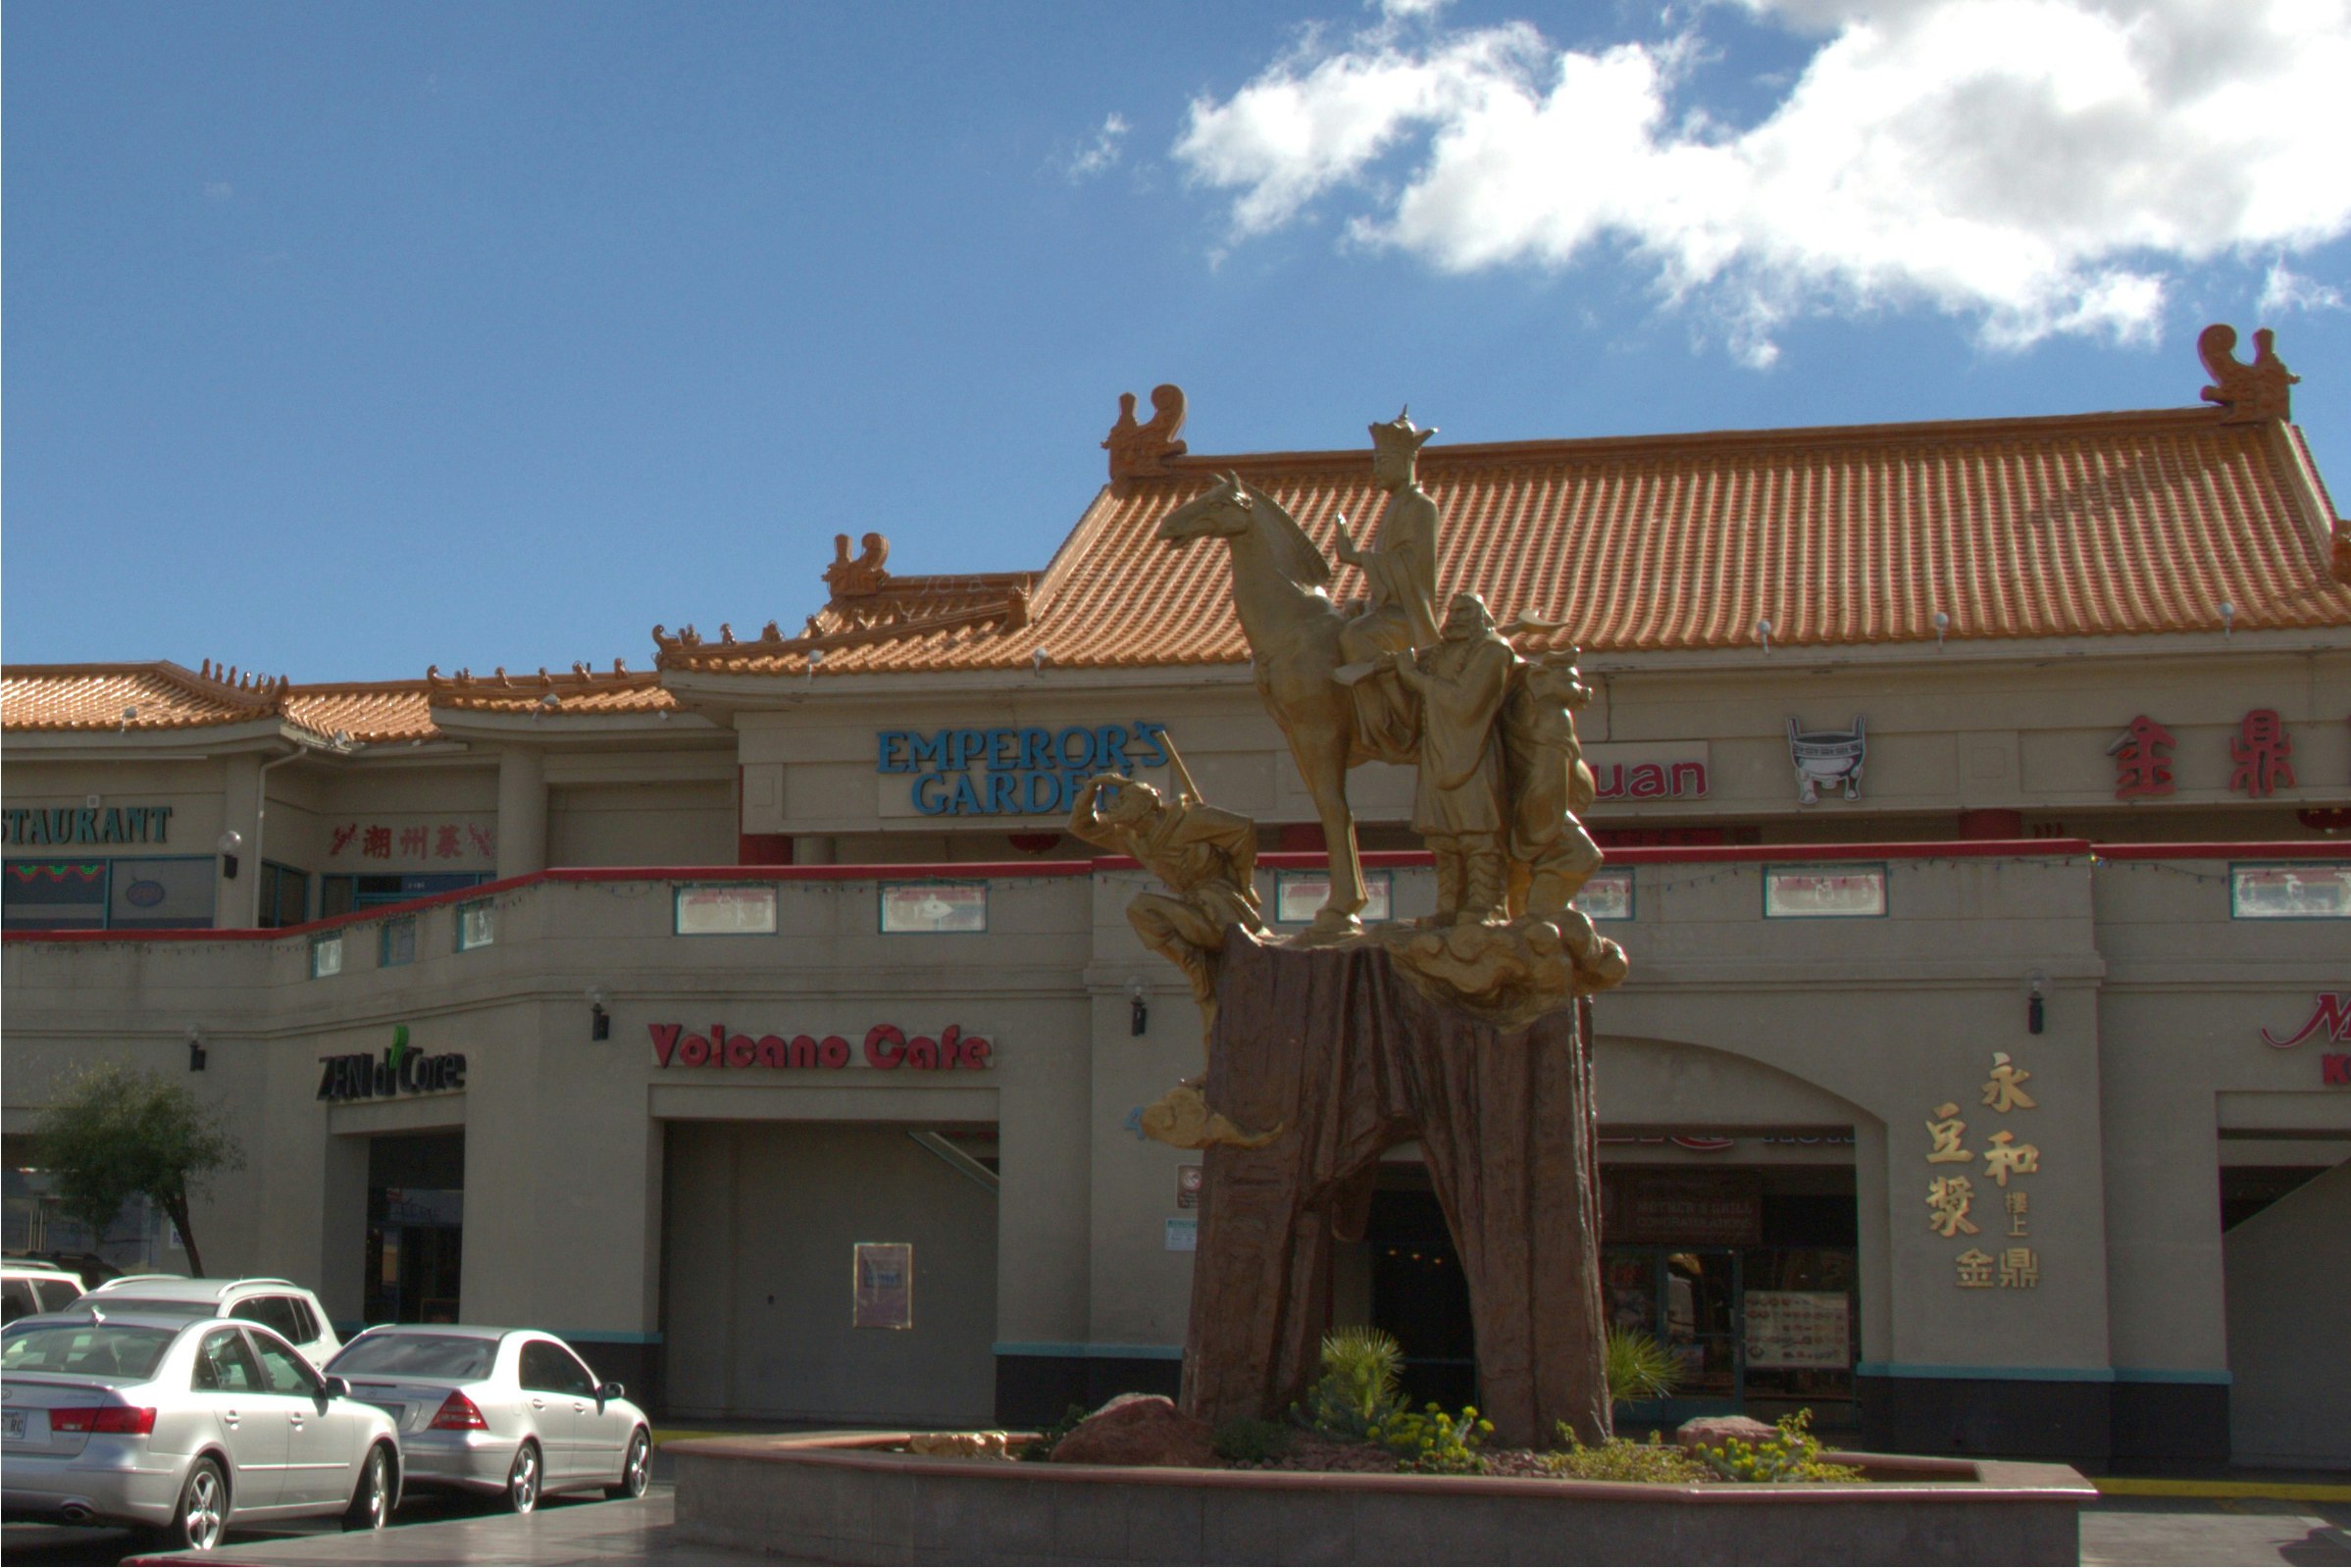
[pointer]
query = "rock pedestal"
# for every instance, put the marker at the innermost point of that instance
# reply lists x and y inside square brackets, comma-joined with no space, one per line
[1338,1049]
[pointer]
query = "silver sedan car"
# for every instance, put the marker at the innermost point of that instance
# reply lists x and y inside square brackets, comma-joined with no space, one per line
[181,1429]
[511,1413]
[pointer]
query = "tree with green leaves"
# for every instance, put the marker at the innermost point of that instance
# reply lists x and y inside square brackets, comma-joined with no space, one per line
[116,1132]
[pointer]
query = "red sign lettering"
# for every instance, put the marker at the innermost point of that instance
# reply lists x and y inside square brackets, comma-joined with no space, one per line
[2334,1069]
[2332,1014]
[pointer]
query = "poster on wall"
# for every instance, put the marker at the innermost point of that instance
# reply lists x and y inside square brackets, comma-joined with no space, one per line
[1799,1329]
[885,1291]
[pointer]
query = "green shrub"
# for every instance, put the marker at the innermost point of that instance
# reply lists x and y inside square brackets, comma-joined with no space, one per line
[1622,1459]
[1793,1456]
[1433,1441]
[1040,1446]
[1640,1368]
[1247,1440]
[1358,1388]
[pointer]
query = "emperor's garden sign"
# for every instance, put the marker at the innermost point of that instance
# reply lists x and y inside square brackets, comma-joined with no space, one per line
[1006,772]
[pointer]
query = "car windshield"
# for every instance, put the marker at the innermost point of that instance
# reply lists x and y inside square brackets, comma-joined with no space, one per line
[161,1308]
[85,1349]
[421,1355]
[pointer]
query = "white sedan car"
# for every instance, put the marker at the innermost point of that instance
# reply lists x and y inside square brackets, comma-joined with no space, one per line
[504,1412]
[182,1428]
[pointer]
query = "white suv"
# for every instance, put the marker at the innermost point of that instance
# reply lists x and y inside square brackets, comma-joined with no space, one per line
[278,1304]
[28,1286]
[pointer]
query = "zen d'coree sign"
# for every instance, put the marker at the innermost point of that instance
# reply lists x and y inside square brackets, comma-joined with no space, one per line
[398,1070]
[887,1046]
[1009,772]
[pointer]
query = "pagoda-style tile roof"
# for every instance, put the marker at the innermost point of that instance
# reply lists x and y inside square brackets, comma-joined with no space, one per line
[155,695]
[2171,520]
[577,691]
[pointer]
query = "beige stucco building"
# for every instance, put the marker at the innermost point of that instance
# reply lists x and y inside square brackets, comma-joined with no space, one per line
[779,948]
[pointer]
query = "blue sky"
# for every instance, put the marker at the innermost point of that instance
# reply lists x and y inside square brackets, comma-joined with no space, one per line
[341,341]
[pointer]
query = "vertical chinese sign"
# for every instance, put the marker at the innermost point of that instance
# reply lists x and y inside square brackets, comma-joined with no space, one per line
[1952,1196]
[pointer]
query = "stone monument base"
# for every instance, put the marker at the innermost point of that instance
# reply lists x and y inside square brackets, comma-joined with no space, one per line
[1346,1054]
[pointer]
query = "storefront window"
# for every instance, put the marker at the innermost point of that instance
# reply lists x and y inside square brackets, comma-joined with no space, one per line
[1297,895]
[475,927]
[2289,892]
[934,906]
[54,895]
[284,896]
[1824,892]
[398,943]
[726,911]
[325,955]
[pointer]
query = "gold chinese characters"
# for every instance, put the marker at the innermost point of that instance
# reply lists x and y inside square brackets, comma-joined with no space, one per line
[1950,1198]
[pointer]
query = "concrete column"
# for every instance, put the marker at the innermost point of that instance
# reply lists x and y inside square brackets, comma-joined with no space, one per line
[522,811]
[240,796]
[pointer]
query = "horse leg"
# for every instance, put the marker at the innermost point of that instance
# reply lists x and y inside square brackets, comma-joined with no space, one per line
[1322,764]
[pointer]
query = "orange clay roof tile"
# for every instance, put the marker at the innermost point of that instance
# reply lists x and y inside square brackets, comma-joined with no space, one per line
[2079,526]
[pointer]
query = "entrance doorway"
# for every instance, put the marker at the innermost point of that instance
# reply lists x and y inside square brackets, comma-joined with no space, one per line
[416,1227]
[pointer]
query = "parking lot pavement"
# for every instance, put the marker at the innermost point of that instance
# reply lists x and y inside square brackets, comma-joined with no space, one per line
[2163,1531]
[566,1531]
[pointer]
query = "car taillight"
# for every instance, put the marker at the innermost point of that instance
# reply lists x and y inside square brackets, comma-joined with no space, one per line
[126,1419]
[457,1414]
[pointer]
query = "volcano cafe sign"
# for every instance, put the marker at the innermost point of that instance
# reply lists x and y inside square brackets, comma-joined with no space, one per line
[1008,772]
[886,1047]
[400,1070]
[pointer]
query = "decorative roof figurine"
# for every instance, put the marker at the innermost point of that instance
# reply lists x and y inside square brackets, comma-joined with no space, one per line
[2247,393]
[1141,450]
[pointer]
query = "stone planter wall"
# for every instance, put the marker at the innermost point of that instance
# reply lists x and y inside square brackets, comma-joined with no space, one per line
[832,1500]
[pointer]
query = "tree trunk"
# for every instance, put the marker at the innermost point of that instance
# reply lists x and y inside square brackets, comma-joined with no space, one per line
[174,1204]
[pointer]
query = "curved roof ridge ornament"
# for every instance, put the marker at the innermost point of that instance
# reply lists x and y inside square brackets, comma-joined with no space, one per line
[1140,449]
[2246,393]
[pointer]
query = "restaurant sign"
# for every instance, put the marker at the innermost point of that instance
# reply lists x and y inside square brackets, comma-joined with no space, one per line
[88,825]
[399,1070]
[2329,1022]
[1004,771]
[886,1047]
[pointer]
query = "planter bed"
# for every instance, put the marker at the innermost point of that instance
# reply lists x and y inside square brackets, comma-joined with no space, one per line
[855,1501]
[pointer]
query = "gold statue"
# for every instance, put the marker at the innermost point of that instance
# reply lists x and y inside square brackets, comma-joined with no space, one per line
[1458,803]
[1547,783]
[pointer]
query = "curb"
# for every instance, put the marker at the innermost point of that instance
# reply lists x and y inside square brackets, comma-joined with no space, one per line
[2273,1491]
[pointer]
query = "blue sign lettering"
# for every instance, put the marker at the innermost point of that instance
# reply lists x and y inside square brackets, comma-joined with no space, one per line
[1028,771]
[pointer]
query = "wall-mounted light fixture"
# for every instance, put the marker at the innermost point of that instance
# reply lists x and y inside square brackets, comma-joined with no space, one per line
[1139,1009]
[2036,986]
[599,1020]
[1763,633]
[229,843]
[1942,625]
[1039,658]
[195,1049]
[2228,620]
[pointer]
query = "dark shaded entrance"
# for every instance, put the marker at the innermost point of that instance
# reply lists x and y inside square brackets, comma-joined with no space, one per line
[416,1227]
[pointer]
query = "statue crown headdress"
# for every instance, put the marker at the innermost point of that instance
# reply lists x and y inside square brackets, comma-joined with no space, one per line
[1398,434]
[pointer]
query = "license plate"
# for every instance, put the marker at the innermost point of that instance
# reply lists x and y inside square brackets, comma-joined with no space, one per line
[11,1423]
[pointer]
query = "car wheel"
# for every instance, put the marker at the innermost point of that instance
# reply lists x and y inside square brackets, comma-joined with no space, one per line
[371,1503]
[636,1469]
[202,1518]
[523,1478]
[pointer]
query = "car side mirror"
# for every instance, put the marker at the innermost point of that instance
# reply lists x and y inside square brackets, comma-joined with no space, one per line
[608,1391]
[337,1389]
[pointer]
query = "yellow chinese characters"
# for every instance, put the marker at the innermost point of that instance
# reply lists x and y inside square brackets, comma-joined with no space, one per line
[2006,1155]
[1947,1130]
[1975,1269]
[1949,1197]
[2003,1091]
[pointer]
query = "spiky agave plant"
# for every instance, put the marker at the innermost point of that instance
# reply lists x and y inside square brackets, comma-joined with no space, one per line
[1360,1384]
[1640,1368]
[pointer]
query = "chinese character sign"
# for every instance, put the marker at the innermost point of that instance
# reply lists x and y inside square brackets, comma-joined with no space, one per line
[2259,751]
[458,841]
[1951,1197]
[2142,760]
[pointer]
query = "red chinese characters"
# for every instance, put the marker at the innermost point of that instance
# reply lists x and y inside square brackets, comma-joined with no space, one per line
[2260,751]
[2142,760]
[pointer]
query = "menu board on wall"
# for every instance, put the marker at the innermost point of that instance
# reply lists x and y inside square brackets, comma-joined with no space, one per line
[1799,1329]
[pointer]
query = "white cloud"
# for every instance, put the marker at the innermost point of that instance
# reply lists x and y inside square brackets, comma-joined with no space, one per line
[1103,150]
[2035,164]
[2285,289]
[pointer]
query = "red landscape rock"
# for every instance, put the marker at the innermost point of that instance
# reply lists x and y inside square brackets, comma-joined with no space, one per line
[1138,1429]
[1713,1432]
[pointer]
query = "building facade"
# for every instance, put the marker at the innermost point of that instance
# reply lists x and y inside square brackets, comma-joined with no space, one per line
[1983,1082]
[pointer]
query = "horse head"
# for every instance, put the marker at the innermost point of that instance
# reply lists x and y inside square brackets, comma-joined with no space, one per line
[1219,512]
